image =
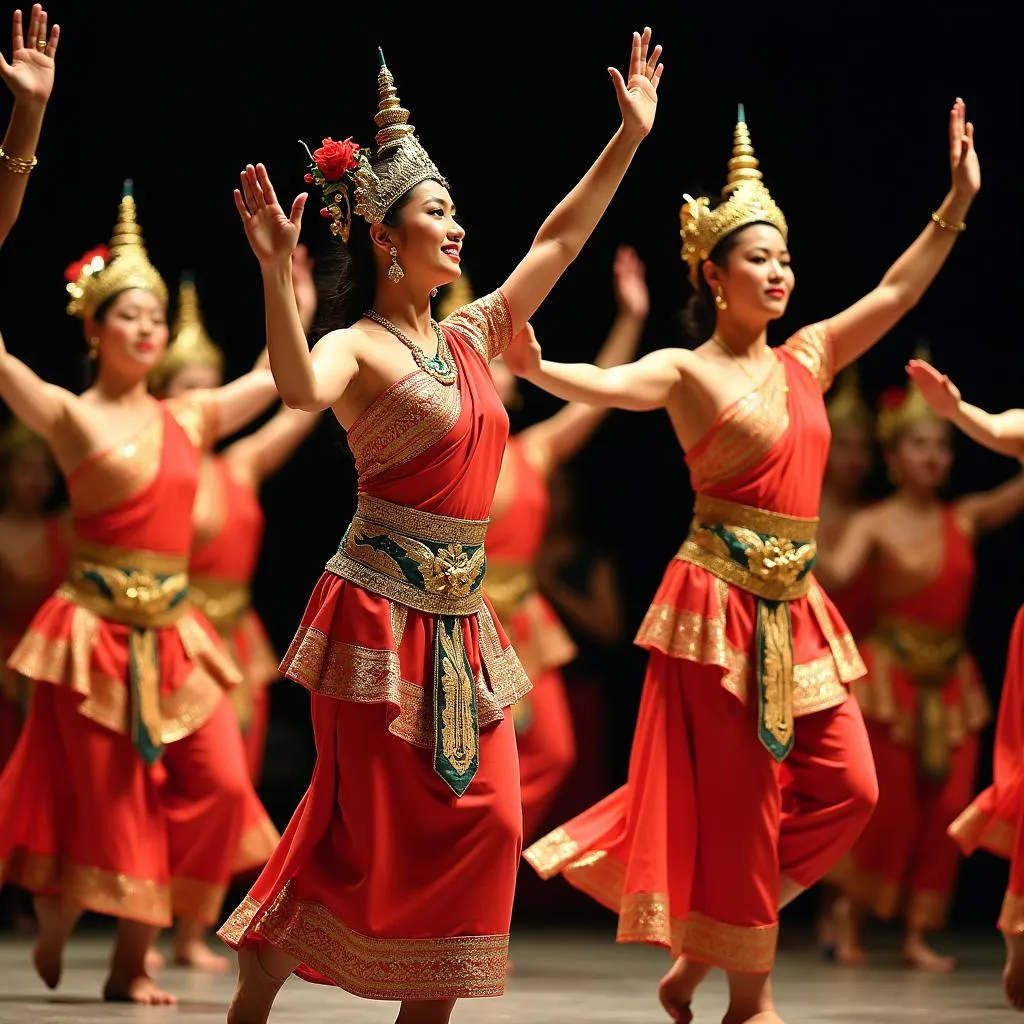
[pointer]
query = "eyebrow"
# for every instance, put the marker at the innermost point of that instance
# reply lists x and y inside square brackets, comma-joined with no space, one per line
[764,248]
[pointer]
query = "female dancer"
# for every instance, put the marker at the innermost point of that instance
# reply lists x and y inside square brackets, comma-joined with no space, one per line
[129,725]
[749,659]
[228,530]
[923,697]
[29,76]
[395,877]
[519,518]
[995,820]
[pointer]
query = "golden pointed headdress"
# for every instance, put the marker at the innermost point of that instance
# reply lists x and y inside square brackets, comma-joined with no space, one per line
[746,201]
[338,167]
[104,272]
[903,407]
[454,296]
[846,404]
[190,344]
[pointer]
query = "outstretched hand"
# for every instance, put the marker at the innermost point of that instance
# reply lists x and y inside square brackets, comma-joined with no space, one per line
[523,354]
[941,394]
[638,95]
[631,283]
[29,75]
[272,234]
[964,167]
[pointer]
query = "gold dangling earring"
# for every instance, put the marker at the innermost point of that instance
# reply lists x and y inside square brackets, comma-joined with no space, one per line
[94,348]
[433,293]
[395,272]
[720,299]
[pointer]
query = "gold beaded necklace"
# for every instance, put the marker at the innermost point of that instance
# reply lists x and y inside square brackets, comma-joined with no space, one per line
[441,366]
[722,345]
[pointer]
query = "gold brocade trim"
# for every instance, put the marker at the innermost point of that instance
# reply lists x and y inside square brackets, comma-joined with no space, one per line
[1011,916]
[817,685]
[95,889]
[403,422]
[485,323]
[760,520]
[508,585]
[549,854]
[846,658]
[975,828]
[197,900]
[927,910]
[646,917]
[417,523]
[455,967]
[917,648]
[223,602]
[745,433]
[811,346]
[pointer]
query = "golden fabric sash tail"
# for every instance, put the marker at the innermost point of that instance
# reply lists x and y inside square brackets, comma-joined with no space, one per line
[929,655]
[508,585]
[434,564]
[223,602]
[146,591]
[770,555]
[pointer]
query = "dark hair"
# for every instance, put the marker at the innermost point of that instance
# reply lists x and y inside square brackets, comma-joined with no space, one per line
[697,318]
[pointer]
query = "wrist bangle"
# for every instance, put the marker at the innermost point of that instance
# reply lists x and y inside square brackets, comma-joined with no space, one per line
[957,229]
[17,164]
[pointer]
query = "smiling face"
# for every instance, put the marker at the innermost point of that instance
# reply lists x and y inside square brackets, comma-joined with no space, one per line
[757,278]
[132,334]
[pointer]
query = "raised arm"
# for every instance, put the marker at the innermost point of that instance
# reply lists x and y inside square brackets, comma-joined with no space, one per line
[837,566]
[29,76]
[561,436]
[263,452]
[856,329]
[569,225]
[39,405]
[989,510]
[306,380]
[1002,432]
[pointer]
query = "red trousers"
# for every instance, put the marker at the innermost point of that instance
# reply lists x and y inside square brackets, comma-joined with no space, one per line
[82,816]
[547,746]
[905,862]
[690,851]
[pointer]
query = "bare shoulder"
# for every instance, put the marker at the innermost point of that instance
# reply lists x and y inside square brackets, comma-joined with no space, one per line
[345,339]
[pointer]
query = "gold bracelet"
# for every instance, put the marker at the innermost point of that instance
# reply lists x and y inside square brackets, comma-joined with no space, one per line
[946,226]
[17,164]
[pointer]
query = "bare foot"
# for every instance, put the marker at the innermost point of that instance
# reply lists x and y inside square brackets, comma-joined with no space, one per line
[256,989]
[198,955]
[155,960]
[676,989]
[1013,972]
[917,953]
[142,990]
[48,955]
[849,948]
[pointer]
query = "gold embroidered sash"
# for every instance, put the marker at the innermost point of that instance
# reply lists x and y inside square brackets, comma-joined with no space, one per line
[434,564]
[508,585]
[223,602]
[146,591]
[929,655]
[770,555]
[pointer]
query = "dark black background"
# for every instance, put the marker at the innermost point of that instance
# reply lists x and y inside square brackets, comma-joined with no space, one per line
[848,110]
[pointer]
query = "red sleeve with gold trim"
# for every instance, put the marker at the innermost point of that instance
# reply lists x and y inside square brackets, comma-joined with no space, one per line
[812,348]
[486,324]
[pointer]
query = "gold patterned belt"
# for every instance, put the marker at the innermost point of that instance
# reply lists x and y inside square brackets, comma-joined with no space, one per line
[930,655]
[223,602]
[434,564]
[508,585]
[770,555]
[147,591]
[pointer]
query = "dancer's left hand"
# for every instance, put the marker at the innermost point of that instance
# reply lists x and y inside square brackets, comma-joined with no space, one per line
[964,166]
[29,75]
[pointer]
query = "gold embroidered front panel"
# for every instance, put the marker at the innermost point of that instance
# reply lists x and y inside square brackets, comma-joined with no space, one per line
[403,422]
[115,475]
[745,432]
[811,346]
[455,967]
[486,324]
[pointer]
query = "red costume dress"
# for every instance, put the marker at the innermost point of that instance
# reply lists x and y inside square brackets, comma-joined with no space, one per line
[543,720]
[128,791]
[745,693]
[924,704]
[857,603]
[995,820]
[228,522]
[395,877]
[27,579]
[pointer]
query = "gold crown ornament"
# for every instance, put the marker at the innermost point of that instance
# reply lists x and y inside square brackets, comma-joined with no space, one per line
[901,408]
[105,271]
[190,344]
[846,404]
[456,295]
[746,201]
[343,168]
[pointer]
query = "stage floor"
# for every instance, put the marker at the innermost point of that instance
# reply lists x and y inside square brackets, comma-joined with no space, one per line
[559,977]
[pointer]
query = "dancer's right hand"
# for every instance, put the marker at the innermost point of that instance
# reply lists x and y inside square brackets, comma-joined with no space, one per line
[272,235]
[941,394]
[523,354]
